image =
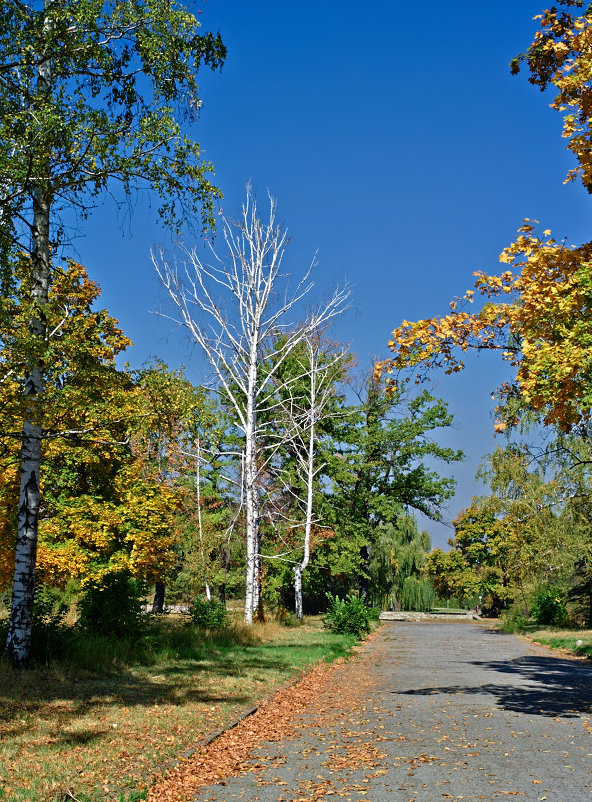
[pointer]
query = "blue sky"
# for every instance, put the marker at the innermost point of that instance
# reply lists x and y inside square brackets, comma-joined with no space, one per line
[399,148]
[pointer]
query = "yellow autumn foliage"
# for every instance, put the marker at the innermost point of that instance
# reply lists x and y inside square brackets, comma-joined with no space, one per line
[538,316]
[103,508]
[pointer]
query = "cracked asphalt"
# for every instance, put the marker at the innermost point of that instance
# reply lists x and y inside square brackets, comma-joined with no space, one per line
[432,711]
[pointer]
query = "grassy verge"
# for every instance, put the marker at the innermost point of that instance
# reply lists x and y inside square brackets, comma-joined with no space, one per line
[574,641]
[98,726]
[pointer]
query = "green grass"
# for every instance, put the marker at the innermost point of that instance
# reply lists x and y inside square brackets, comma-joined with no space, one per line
[98,724]
[575,641]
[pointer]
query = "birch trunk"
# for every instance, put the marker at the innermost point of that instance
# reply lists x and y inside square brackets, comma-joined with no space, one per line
[258,579]
[310,471]
[239,345]
[251,500]
[18,642]
[298,591]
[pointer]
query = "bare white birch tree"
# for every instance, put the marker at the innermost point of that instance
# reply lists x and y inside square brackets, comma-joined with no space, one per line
[235,309]
[305,402]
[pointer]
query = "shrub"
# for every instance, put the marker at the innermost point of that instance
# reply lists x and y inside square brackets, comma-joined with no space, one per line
[549,607]
[513,620]
[209,614]
[348,616]
[286,618]
[113,606]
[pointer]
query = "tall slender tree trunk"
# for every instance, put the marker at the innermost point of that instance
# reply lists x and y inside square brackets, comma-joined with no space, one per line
[199,519]
[18,643]
[299,569]
[298,591]
[251,498]
[258,579]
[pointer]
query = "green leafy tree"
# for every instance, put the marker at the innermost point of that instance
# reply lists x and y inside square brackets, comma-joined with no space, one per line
[381,466]
[397,561]
[476,565]
[90,96]
[531,532]
[451,576]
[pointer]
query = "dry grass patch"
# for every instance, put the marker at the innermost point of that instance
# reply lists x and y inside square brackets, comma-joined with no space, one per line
[70,732]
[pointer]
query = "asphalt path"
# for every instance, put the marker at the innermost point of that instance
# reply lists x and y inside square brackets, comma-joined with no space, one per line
[432,711]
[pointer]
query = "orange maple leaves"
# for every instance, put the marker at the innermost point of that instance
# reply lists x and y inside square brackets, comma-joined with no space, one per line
[537,315]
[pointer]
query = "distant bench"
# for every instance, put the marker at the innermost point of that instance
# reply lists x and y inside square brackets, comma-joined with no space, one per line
[454,615]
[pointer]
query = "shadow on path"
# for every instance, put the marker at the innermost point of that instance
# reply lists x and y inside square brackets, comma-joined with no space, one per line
[544,686]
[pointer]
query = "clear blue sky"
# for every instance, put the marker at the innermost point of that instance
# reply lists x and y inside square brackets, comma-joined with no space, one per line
[397,144]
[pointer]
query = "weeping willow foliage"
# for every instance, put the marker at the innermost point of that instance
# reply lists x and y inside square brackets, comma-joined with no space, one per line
[397,558]
[417,594]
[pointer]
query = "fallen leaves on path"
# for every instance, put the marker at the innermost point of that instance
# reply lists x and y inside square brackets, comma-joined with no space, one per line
[230,754]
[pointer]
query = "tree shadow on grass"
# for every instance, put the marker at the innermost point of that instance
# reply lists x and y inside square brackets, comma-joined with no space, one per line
[541,686]
[19,714]
[68,696]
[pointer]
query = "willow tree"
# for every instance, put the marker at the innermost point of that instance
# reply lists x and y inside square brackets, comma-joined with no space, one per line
[91,96]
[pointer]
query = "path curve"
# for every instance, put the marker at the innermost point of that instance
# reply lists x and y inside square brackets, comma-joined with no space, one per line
[432,711]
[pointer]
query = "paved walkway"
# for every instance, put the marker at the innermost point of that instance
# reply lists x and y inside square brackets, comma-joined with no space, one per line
[434,711]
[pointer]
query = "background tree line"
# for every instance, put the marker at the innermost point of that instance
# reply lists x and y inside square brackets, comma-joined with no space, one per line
[143,473]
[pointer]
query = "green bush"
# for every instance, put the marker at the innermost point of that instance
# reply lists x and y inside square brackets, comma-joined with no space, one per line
[113,607]
[549,607]
[348,616]
[209,614]
[513,620]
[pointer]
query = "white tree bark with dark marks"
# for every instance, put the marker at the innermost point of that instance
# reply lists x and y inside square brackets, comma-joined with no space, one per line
[234,310]
[90,93]
[317,371]
[18,642]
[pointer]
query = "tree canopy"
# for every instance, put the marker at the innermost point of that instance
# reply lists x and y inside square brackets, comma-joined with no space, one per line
[537,311]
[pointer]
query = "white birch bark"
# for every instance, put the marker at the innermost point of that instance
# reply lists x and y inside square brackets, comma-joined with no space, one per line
[234,310]
[301,431]
[310,475]
[18,642]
